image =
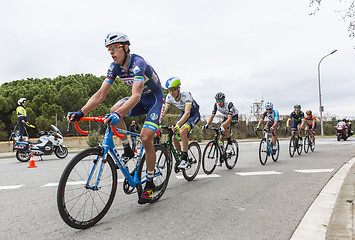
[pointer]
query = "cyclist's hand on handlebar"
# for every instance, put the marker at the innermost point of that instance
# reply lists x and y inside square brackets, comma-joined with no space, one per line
[75,116]
[176,128]
[114,118]
[203,129]
[287,128]
[256,130]
[221,129]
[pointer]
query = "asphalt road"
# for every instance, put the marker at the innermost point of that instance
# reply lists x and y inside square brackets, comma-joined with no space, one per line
[250,201]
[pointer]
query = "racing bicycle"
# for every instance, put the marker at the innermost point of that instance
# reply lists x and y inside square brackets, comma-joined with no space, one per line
[215,153]
[295,144]
[88,184]
[266,146]
[308,142]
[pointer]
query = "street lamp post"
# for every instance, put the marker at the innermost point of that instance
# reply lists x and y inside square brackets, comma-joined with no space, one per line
[321,108]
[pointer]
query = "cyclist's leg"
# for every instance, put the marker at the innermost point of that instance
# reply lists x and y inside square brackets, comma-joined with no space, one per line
[175,141]
[184,131]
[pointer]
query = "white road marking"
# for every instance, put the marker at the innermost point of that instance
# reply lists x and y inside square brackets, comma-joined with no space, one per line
[71,183]
[201,176]
[257,173]
[314,224]
[10,187]
[315,170]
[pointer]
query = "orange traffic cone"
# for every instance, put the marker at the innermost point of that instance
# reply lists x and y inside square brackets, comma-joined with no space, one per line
[32,163]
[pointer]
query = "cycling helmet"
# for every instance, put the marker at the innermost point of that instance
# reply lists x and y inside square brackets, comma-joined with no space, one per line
[172,82]
[269,106]
[219,96]
[297,106]
[116,37]
[309,112]
[21,100]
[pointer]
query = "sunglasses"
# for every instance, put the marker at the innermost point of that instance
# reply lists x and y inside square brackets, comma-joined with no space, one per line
[173,89]
[269,109]
[219,100]
[113,47]
[297,109]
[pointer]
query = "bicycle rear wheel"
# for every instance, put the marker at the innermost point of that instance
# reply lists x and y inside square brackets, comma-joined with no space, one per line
[306,144]
[313,146]
[292,146]
[162,171]
[232,153]
[210,157]
[263,151]
[277,153]
[194,161]
[81,204]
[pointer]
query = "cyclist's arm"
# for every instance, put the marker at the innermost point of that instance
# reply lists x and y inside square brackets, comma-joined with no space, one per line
[97,98]
[166,108]
[288,122]
[185,116]
[210,119]
[260,121]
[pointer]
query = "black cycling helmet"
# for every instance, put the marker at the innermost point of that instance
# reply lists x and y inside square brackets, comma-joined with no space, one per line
[220,96]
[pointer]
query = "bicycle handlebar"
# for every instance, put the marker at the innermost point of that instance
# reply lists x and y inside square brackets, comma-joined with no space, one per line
[95,119]
[171,129]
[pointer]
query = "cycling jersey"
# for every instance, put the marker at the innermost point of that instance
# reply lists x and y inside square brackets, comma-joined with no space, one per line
[274,116]
[152,100]
[297,117]
[185,99]
[137,70]
[310,119]
[228,109]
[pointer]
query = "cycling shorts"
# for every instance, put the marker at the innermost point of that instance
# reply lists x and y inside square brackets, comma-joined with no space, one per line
[295,124]
[152,105]
[269,124]
[234,120]
[191,121]
[310,127]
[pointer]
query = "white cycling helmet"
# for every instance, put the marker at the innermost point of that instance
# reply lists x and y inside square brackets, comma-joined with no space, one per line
[116,37]
[269,106]
[21,100]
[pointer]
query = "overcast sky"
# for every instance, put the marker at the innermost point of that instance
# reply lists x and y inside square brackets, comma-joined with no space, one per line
[250,50]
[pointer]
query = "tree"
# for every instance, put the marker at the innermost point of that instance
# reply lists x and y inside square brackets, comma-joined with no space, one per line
[348,12]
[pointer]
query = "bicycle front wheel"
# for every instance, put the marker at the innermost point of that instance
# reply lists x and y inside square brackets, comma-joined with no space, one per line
[299,146]
[194,161]
[306,144]
[162,171]
[83,200]
[277,153]
[232,153]
[210,157]
[313,146]
[263,151]
[292,146]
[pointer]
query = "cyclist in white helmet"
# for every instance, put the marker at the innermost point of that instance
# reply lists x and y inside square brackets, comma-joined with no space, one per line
[229,112]
[273,123]
[190,115]
[147,98]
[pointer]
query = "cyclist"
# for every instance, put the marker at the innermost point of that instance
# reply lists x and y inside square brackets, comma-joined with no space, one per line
[273,123]
[311,123]
[147,98]
[298,121]
[230,116]
[190,115]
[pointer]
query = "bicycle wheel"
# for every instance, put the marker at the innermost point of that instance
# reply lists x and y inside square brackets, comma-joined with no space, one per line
[232,155]
[194,161]
[306,144]
[277,153]
[299,146]
[81,204]
[161,172]
[313,145]
[210,157]
[292,146]
[263,151]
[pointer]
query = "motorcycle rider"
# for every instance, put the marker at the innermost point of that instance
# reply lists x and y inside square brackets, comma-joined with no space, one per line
[348,123]
[21,116]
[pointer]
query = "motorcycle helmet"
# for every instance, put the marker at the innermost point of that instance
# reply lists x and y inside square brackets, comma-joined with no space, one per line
[269,106]
[220,96]
[21,100]
[172,82]
[309,112]
[116,37]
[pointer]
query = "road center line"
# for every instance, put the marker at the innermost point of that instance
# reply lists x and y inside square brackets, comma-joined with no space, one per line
[314,170]
[257,173]
[201,176]
[10,187]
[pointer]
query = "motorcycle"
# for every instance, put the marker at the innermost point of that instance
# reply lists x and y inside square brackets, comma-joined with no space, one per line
[47,143]
[343,131]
